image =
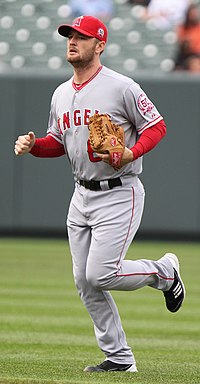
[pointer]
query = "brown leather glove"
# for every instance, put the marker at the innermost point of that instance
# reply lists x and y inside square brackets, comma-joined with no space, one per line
[106,137]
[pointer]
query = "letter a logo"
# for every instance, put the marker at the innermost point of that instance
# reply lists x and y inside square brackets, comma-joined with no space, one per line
[77,22]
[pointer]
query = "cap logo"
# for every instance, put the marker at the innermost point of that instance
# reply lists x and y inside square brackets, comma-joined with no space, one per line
[77,22]
[100,32]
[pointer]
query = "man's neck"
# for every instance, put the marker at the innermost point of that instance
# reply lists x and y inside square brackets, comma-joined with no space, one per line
[83,74]
[78,86]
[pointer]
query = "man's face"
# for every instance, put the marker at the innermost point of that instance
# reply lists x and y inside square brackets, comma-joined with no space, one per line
[80,48]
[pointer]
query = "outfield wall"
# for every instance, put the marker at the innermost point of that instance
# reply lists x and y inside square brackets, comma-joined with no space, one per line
[35,193]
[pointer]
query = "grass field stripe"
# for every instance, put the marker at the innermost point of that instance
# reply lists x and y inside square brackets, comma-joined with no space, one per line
[37,294]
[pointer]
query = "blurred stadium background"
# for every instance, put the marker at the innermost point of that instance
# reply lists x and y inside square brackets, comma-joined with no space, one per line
[35,193]
[29,38]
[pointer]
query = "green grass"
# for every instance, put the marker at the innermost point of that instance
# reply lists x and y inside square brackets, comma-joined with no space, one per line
[46,335]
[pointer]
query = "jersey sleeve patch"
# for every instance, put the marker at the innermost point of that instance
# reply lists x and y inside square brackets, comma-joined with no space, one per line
[148,114]
[144,104]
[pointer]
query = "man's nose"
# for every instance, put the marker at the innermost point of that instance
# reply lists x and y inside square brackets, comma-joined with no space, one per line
[73,40]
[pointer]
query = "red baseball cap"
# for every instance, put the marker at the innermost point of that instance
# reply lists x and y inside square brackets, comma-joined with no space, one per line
[87,25]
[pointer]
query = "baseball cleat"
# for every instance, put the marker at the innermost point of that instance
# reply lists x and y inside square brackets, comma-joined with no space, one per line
[175,295]
[109,366]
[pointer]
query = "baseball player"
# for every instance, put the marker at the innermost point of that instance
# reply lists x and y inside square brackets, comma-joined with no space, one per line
[107,205]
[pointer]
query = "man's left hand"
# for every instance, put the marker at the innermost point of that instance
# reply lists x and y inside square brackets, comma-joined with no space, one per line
[126,158]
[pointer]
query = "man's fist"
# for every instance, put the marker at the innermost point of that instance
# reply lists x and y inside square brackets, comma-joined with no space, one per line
[24,144]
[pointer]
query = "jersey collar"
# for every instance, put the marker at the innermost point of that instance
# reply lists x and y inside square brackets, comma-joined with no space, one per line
[78,87]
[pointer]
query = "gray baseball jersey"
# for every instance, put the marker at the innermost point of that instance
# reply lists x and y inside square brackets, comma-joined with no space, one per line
[106,92]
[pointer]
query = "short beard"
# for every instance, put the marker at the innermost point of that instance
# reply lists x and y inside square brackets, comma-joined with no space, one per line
[80,64]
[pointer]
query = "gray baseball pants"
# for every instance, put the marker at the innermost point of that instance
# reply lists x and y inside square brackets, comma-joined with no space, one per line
[101,226]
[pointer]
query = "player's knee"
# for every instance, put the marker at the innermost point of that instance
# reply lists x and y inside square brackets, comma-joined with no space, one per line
[96,280]
[84,288]
[80,283]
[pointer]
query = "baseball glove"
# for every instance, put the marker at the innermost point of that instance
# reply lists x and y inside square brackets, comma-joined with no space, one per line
[107,137]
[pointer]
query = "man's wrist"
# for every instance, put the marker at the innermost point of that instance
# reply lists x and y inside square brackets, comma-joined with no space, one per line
[134,153]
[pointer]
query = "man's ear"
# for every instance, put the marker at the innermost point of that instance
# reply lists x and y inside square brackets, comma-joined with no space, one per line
[100,46]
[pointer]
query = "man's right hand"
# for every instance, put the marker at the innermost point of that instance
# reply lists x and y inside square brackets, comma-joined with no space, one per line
[24,144]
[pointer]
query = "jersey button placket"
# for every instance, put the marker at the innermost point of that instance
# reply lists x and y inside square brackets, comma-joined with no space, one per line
[76,136]
[75,99]
[75,103]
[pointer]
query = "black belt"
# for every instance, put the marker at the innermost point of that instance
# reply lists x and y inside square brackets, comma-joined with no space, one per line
[95,185]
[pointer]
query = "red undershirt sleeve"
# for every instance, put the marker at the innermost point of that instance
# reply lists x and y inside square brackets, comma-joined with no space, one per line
[149,139]
[47,147]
